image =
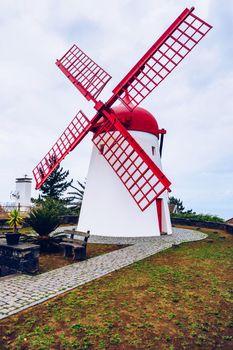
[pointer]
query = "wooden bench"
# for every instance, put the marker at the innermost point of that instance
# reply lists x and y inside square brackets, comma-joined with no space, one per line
[73,246]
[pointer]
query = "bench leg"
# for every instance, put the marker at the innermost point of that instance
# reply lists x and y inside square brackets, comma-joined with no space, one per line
[79,253]
[68,252]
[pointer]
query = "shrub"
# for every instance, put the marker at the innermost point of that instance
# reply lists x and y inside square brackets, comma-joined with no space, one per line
[197,217]
[44,219]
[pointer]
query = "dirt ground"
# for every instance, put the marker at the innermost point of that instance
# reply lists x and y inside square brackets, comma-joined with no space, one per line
[48,262]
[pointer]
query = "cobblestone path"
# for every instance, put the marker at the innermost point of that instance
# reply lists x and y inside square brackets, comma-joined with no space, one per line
[22,291]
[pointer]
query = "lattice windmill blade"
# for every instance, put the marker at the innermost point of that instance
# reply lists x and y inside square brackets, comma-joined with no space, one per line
[140,175]
[160,60]
[70,138]
[86,75]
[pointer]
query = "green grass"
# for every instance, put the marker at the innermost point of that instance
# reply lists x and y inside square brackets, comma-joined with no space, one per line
[177,299]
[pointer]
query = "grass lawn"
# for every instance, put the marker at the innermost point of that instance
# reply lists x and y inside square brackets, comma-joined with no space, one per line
[181,298]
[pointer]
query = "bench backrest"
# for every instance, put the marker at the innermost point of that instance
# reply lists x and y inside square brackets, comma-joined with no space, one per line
[75,234]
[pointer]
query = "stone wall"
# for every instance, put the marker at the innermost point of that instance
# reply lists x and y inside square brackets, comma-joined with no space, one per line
[66,219]
[206,224]
[3,224]
[70,219]
[20,258]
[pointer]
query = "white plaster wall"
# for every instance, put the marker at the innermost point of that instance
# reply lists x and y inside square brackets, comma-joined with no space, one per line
[108,209]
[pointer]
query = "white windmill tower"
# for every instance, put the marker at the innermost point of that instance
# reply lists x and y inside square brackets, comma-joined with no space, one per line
[126,138]
[123,216]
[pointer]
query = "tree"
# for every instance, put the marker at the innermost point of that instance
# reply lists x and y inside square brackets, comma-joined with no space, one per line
[56,184]
[178,203]
[77,196]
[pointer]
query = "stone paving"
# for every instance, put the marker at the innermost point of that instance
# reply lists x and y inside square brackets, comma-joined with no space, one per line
[19,292]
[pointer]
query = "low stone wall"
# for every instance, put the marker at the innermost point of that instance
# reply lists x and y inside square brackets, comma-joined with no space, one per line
[3,224]
[23,258]
[229,228]
[70,219]
[206,224]
[65,220]
[73,220]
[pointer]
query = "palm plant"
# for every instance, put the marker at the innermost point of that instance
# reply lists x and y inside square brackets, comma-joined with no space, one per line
[14,219]
[76,198]
[44,219]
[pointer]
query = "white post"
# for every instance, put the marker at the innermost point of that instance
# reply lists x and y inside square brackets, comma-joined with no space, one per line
[23,189]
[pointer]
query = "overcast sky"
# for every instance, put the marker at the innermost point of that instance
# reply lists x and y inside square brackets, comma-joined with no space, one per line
[194,104]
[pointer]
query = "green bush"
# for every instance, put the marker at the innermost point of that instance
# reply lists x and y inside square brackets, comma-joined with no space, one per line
[198,217]
[46,216]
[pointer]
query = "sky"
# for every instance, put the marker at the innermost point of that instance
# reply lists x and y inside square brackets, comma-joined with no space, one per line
[194,104]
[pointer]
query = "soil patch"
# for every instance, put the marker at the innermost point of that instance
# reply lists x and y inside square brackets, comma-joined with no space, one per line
[52,261]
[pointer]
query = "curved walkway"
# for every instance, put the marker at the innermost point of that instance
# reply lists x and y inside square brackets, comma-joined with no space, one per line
[22,291]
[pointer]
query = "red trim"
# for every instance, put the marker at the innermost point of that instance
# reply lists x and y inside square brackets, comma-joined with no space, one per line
[159,211]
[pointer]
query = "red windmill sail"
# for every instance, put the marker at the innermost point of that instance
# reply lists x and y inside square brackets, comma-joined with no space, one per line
[70,138]
[163,56]
[86,75]
[142,178]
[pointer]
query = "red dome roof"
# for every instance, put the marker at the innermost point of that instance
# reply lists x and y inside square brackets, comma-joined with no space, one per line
[139,119]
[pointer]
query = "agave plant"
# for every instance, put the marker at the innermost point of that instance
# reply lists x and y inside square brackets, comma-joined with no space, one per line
[14,219]
[44,219]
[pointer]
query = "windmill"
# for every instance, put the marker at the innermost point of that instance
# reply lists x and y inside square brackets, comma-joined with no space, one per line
[126,138]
